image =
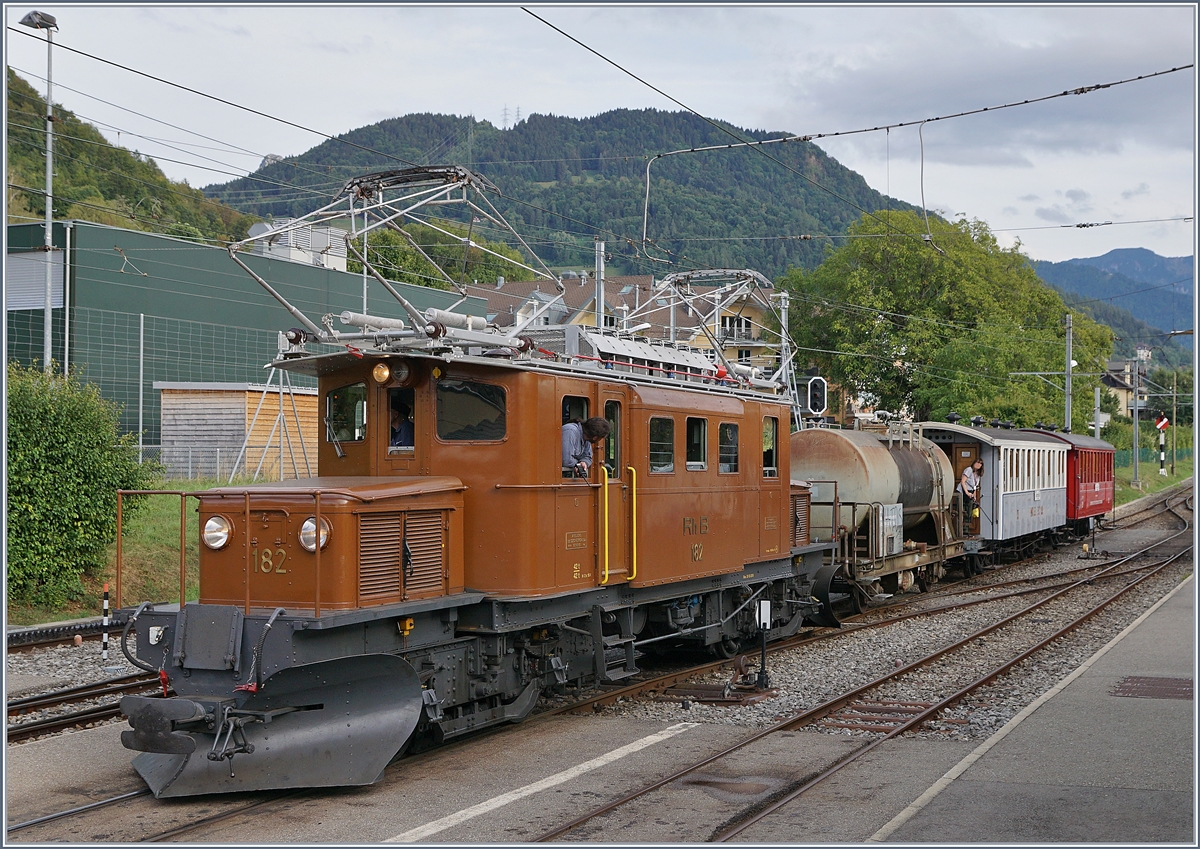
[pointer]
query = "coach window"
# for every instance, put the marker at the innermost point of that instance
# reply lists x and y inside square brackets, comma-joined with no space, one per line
[697,444]
[470,412]
[612,445]
[346,413]
[770,447]
[727,448]
[662,445]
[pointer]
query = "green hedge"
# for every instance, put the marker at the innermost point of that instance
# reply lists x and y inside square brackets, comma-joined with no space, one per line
[65,465]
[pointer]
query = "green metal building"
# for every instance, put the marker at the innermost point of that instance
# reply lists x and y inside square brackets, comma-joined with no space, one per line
[142,308]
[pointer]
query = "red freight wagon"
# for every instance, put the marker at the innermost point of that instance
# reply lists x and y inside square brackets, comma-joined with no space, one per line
[1089,477]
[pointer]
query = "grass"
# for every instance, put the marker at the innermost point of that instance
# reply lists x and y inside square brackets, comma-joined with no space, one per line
[1151,480]
[150,561]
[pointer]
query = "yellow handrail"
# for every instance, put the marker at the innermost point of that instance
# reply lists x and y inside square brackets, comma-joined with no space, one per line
[632,523]
[604,516]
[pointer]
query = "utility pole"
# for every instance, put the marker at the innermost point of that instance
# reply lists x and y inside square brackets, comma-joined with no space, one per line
[40,20]
[1137,368]
[1096,412]
[599,284]
[1174,415]
[1067,421]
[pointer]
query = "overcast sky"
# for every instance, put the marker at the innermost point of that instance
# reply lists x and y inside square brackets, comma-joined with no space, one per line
[1123,154]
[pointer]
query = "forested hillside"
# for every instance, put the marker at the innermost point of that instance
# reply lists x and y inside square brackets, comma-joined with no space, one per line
[96,181]
[566,179]
[1160,296]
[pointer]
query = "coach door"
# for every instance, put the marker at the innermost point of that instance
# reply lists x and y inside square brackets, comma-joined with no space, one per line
[965,454]
[616,517]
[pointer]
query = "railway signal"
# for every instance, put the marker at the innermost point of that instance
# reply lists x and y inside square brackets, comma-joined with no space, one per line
[1161,422]
[816,394]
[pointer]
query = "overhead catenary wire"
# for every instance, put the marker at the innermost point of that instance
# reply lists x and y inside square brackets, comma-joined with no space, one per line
[221,100]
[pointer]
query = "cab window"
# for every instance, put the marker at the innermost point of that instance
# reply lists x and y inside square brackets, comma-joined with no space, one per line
[697,444]
[727,447]
[770,447]
[612,445]
[401,425]
[346,413]
[662,445]
[470,412]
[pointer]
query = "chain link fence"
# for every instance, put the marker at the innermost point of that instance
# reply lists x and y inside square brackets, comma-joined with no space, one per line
[220,462]
[123,354]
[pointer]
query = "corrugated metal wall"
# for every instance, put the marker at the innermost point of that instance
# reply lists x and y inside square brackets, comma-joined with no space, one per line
[183,312]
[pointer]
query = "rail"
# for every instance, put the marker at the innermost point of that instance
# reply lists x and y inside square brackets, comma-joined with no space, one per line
[183,497]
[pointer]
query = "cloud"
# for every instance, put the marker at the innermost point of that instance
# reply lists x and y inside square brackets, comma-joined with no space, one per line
[1029,198]
[924,63]
[1142,189]
[1077,195]
[1054,215]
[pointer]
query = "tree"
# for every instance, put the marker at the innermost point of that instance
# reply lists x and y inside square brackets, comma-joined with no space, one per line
[933,325]
[65,465]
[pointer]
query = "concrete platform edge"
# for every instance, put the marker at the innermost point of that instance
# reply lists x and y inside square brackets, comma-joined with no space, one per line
[965,764]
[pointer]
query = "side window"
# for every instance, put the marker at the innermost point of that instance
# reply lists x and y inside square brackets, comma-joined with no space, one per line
[470,412]
[727,447]
[574,408]
[662,445]
[346,413]
[770,448]
[612,445]
[401,429]
[697,444]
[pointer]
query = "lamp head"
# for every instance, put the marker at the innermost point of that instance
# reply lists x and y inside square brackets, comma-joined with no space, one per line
[40,20]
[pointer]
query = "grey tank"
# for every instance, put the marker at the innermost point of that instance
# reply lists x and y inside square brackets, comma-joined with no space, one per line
[868,470]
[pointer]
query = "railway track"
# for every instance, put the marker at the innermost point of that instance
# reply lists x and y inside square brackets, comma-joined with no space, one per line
[889,716]
[1070,578]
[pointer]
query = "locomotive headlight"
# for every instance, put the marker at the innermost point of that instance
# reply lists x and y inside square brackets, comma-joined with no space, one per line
[216,532]
[381,373]
[308,533]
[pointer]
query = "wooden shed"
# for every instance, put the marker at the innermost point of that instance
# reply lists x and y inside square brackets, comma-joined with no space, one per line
[205,428]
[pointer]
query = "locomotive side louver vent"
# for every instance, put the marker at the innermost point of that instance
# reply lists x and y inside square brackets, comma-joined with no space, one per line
[801,503]
[379,538]
[423,570]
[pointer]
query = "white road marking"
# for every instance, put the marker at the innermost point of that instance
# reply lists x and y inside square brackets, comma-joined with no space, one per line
[962,766]
[529,789]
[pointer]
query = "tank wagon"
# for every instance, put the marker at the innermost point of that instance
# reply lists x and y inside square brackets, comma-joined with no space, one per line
[886,497]
[412,593]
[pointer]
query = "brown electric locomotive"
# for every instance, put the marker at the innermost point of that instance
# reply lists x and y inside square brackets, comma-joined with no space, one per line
[446,567]
[454,579]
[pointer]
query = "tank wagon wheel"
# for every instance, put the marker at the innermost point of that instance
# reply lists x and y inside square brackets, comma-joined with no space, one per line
[923,582]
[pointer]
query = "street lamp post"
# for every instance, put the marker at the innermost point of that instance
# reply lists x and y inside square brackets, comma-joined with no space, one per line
[40,20]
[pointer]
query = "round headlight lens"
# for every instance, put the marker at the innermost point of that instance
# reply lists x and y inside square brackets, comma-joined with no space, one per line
[216,532]
[381,373]
[308,533]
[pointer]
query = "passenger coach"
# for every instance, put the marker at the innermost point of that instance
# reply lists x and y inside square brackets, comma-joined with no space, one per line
[1089,478]
[1024,489]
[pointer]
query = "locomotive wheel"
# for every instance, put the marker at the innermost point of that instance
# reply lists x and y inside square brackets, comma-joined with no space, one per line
[727,648]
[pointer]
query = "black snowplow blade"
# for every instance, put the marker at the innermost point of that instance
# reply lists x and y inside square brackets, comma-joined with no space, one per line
[330,724]
[822,583]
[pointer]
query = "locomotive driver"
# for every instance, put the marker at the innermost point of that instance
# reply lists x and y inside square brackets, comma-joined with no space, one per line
[578,441]
[968,486]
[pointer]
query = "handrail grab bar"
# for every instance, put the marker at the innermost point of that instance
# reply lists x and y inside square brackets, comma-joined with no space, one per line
[632,523]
